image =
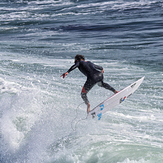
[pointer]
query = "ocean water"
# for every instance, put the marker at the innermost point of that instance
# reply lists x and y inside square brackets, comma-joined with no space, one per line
[39,39]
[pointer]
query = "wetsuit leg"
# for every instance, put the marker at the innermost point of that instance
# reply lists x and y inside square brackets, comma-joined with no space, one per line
[106,86]
[86,88]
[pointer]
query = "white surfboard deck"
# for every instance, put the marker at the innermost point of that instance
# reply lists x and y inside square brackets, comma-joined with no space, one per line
[115,100]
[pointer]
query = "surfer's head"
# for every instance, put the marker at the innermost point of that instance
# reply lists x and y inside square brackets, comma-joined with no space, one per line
[79,57]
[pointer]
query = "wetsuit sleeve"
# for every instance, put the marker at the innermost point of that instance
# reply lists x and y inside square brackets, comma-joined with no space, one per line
[98,67]
[73,67]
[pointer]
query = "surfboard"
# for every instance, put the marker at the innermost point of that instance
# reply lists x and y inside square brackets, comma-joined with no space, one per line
[115,100]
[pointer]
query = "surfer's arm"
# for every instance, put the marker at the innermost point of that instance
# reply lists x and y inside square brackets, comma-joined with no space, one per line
[71,69]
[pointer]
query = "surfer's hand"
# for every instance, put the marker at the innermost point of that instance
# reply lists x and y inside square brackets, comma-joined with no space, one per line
[64,75]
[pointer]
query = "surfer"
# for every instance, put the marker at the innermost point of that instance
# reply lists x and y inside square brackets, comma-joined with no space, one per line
[94,76]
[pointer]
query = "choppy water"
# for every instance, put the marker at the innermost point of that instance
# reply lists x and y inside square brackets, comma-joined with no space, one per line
[39,40]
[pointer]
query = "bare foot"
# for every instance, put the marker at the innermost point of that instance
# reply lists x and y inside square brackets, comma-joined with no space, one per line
[115,91]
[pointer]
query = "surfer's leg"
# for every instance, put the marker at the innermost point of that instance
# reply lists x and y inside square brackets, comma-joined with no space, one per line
[86,88]
[85,98]
[106,86]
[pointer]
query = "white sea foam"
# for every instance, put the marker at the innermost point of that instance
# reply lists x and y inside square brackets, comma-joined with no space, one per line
[37,107]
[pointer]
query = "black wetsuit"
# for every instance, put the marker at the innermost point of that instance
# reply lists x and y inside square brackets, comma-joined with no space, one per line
[94,76]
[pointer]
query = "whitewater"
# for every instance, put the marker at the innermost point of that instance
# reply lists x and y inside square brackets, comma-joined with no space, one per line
[39,40]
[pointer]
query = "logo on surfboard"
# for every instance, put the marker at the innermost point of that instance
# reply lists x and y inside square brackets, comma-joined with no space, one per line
[132,86]
[122,99]
[101,106]
[100,114]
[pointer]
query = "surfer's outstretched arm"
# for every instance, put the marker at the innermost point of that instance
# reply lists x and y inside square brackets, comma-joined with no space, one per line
[71,69]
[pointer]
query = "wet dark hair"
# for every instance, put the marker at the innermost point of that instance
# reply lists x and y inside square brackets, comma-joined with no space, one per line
[79,57]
